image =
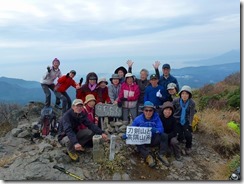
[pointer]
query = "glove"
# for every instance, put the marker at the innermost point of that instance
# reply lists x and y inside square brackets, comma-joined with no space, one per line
[67,75]
[123,99]
[48,69]
[81,80]
[124,137]
[119,104]
[154,130]
[158,94]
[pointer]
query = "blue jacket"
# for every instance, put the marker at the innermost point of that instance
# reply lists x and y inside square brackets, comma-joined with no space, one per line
[164,82]
[69,123]
[150,95]
[141,121]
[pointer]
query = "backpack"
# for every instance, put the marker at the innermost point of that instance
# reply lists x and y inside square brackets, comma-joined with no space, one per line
[48,121]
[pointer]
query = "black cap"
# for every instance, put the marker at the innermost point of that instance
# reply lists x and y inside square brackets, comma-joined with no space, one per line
[166,66]
[73,71]
[153,76]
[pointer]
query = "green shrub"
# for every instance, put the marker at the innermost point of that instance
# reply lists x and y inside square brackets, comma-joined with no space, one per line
[234,98]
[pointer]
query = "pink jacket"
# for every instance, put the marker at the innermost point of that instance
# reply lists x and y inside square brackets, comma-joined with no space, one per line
[131,92]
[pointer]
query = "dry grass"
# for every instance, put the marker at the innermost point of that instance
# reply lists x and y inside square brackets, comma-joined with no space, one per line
[214,123]
[6,160]
[220,172]
[5,128]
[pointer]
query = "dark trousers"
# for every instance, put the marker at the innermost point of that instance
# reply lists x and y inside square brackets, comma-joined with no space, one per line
[160,140]
[174,146]
[67,105]
[46,89]
[184,133]
[66,101]
[83,137]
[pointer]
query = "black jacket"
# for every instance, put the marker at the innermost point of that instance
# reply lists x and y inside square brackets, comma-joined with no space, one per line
[169,125]
[68,125]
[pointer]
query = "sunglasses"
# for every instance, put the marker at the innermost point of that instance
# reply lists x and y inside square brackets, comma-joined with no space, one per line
[148,110]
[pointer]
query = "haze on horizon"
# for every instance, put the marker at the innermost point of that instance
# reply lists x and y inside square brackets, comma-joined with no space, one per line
[100,35]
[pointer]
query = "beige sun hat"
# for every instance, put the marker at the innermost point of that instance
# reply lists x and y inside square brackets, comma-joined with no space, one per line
[89,98]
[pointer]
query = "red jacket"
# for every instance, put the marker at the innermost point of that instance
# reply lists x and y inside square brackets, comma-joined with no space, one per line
[64,83]
[90,112]
[85,90]
[102,95]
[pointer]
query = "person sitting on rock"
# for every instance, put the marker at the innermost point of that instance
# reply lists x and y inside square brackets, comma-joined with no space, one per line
[169,124]
[69,134]
[184,112]
[89,110]
[150,118]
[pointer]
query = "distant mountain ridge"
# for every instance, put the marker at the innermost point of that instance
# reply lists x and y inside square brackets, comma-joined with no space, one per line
[21,91]
[231,56]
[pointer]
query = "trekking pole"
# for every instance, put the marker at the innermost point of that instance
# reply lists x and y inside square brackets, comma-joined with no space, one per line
[67,172]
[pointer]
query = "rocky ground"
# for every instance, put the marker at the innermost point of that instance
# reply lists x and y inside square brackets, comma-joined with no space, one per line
[22,159]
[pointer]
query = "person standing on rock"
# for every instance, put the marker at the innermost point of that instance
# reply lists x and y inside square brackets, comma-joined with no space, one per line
[172,90]
[114,88]
[63,84]
[69,134]
[166,78]
[90,87]
[184,112]
[155,93]
[169,124]
[121,71]
[150,118]
[47,82]
[128,97]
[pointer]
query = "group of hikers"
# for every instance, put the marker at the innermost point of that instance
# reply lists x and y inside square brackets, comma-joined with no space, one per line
[149,101]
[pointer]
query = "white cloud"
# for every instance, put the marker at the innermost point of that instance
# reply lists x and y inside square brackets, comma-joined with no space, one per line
[158,29]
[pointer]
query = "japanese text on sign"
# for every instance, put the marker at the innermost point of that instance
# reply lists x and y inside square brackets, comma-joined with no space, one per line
[138,135]
[108,110]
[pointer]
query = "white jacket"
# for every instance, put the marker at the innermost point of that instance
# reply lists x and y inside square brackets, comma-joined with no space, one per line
[50,77]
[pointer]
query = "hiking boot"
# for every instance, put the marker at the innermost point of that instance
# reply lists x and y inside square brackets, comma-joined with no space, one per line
[150,161]
[178,157]
[58,106]
[188,151]
[164,160]
[74,156]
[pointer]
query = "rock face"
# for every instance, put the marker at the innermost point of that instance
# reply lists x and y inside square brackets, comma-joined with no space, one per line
[23,159]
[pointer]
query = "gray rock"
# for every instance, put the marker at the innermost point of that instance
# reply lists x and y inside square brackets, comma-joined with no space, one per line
[118,123]
[178,164]
[116,176]
[24,134]
[24,126]
[16,131]
[125,177]
[122,128]
[44,147]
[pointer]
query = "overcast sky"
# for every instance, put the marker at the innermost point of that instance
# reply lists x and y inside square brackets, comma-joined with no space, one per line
[100,35]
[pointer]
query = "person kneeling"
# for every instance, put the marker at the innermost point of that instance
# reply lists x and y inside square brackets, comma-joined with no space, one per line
[69,133]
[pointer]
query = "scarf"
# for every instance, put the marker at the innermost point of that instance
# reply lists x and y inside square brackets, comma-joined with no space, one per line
[92,88]
[183,111]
